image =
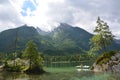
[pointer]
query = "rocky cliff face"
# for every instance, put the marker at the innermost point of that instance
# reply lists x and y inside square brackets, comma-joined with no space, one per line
[113,65]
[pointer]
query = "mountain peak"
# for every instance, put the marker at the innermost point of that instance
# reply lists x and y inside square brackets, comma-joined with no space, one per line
[64,39]
[41,32]
[25,25]
[65,24]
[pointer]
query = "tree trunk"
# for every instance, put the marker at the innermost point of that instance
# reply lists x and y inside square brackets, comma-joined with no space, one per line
[30,63]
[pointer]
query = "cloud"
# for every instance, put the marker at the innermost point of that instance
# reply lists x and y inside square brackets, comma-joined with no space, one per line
[9,17]
[46,14]
[84,13]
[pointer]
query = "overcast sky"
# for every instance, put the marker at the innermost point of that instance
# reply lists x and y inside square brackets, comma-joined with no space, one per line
[46,14]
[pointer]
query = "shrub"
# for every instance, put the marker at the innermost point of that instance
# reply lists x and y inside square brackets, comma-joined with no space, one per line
[105,57]
[14,68]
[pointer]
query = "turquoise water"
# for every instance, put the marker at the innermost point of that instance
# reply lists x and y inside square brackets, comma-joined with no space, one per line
[67,64]
[66,73]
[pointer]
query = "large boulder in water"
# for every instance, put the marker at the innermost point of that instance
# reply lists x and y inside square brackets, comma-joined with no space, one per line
[107,62]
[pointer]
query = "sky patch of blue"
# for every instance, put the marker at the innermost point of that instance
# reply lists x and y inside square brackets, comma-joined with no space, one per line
[27,4]
[23,13]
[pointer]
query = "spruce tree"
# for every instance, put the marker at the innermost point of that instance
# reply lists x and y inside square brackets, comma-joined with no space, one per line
[31,53]
[102,38]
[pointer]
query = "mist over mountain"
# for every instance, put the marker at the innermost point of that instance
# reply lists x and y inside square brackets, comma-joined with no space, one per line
[41,32]
[65,39]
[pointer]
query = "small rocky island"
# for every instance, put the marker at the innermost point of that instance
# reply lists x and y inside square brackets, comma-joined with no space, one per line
[31,61]
[107,62]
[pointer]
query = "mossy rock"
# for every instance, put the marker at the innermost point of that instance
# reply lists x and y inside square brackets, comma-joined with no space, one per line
[105,57]
[91,68]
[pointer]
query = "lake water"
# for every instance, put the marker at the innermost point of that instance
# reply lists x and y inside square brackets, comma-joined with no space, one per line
[68,64]
[66,73]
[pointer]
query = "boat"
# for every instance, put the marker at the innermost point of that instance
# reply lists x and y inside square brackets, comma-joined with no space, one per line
[83,68]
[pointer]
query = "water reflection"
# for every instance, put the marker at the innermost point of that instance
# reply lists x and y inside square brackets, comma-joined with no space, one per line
[12,76]
[60,76]
[19,76]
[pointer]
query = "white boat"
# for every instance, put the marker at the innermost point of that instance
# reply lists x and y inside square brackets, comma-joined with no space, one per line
[83,68]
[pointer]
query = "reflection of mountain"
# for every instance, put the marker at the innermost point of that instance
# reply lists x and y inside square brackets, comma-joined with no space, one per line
[64,39]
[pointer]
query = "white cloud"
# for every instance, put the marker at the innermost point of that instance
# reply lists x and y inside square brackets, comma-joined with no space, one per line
[9,16]
[49,13]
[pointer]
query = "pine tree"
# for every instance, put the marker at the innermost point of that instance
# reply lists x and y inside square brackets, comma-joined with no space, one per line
[31,53]
[102,38]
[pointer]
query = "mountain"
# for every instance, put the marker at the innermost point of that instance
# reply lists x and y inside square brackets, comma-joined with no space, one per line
[41,32]
[65,39]
[70,39]
[19,37]
[117,41]
[23,34]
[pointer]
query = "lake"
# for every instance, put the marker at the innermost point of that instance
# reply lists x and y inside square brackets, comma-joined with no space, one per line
[64,73]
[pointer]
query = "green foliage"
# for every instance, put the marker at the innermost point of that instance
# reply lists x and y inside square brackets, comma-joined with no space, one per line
[67,58]
[30,50]
[69,40]
[67,44]
[62,40]
[7,38]
[105,57]
[14,68]
[31,53]
[96,42]
[11,68]
[103,38]
[5,57]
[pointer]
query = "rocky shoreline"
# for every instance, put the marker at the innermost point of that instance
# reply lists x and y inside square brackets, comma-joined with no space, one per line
[113,65]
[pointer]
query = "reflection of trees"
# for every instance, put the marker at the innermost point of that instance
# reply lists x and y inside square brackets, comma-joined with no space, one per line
[18,76]
[75,57]
[67,60]
[12,76]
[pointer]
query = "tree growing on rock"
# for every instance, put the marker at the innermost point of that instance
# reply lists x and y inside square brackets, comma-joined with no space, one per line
[102,38]
[35,60]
